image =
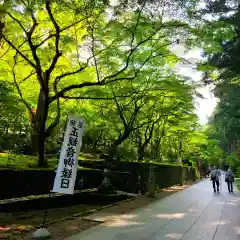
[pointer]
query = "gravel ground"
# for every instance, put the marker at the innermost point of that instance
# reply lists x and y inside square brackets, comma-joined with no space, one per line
[68,221]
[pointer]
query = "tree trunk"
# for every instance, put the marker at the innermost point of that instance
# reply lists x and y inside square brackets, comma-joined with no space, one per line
[39,128]
[7,128]
[152,182]
[106,185]
[112,153]
[97,141]
[140,152]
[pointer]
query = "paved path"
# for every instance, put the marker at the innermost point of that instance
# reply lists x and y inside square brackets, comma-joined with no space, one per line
[193,214]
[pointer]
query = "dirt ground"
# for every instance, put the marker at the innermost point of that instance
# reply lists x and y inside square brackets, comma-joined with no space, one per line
[64,222]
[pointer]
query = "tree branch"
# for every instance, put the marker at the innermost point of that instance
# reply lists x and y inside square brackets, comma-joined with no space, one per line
[87,98]
[28,76]
[130,54]
[94,56]
[131,45]
[150,134]
[141,125]
[138,107]
[33,48]
[140,67]
[18,21]
[18,51]
[33,26]
[5,52]
[104,82]
[57,39]
[95,98]
[58,78]
[61,30]
[71,87]
[120,112]
[93,45]
[18,87]
[135,113]
[55,122]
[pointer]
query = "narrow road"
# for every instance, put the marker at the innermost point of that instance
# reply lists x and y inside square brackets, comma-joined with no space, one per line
[193,214]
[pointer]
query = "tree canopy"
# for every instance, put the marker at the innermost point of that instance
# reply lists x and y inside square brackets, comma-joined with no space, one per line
[218,35]
[113,64]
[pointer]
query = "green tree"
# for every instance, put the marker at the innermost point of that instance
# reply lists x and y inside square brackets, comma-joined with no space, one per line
[64,57]
[217,31]
[13,115]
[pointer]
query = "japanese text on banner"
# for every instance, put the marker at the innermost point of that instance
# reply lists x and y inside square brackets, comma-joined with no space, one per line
[67,168]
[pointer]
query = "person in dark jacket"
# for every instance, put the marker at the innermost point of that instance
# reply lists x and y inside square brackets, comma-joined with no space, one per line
[215,177]
[209,171]
[229,179]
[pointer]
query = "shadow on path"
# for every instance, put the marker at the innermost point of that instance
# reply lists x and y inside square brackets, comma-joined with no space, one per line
[195,213]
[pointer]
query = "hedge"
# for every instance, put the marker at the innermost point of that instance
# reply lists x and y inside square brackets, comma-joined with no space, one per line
[167,174]
[125,177]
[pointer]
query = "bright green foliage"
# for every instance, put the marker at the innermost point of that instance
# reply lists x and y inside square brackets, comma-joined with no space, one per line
[233,161]
[216,28]
[13,118]
[111,64]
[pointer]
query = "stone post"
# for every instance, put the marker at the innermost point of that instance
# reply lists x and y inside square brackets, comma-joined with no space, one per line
[181,176]
[152,182]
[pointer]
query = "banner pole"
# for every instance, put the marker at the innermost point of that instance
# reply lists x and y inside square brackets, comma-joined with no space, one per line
[66,172]
[43,233]
[46,210]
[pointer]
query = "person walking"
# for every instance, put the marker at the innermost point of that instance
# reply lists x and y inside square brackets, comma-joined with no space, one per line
[209,171]
[215,177]
[229,179]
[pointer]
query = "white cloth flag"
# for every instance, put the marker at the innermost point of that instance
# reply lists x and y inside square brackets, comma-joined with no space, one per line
[68,164]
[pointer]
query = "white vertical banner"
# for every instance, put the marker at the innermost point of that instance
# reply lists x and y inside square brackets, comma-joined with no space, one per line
[68,164]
